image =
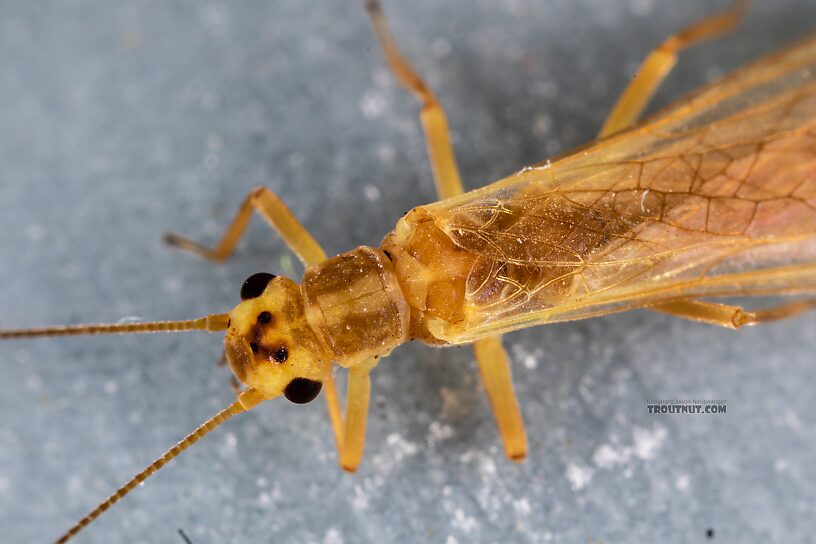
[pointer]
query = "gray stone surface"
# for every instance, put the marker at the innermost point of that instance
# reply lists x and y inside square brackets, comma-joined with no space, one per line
[119,120]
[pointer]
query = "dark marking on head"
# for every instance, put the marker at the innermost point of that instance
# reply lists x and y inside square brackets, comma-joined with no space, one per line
[264,317]
[254,285]
[302,390]
[280,354]
[387,254]
[275,352]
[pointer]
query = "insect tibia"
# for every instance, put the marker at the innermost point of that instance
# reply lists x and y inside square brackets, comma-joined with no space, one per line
[355,305]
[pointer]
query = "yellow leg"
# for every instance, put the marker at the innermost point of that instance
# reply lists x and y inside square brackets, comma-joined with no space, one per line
[434,123]
[494,364]
[660,62]
[335,413]
[358,395]
[271,208]
[732,317]
[494,368]
[349,432]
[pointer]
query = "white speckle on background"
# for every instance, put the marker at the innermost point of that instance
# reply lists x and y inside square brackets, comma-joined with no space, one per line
[372,193]
[607,457]
[129,319]
[542,125]
[386,153]
[465,523]
[487,466]
[530,362]
[437,432]
[373,104]
[522,506]
[397,449]
[111,387]
[645,443]
[528,358]
[401,447]
[359,498]
[333,536]
[682,482]
[579,476]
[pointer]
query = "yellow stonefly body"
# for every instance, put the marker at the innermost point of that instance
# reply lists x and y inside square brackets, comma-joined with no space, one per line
[713,197]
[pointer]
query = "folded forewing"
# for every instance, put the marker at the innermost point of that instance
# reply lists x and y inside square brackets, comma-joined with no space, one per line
[715,195]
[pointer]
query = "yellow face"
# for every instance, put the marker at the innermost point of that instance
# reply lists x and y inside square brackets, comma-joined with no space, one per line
[269,344]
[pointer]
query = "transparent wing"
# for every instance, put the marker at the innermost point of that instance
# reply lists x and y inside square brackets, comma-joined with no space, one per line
[714,196]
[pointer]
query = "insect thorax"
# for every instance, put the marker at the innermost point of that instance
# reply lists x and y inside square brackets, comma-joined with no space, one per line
[355,305]
[432,272]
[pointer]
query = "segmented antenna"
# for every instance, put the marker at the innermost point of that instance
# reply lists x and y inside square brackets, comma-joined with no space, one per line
[247,400]
[215,322]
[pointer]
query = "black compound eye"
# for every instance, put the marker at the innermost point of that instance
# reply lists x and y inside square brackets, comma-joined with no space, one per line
[280,354]
[254,347]
[254,285]
[302,390]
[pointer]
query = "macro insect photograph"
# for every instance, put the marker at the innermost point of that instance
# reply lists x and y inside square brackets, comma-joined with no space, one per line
[577,275]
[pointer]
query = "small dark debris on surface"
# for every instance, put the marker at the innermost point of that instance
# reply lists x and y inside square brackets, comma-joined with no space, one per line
[184,536]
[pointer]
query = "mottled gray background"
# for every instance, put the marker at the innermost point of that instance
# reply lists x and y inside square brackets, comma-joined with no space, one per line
[119,120]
